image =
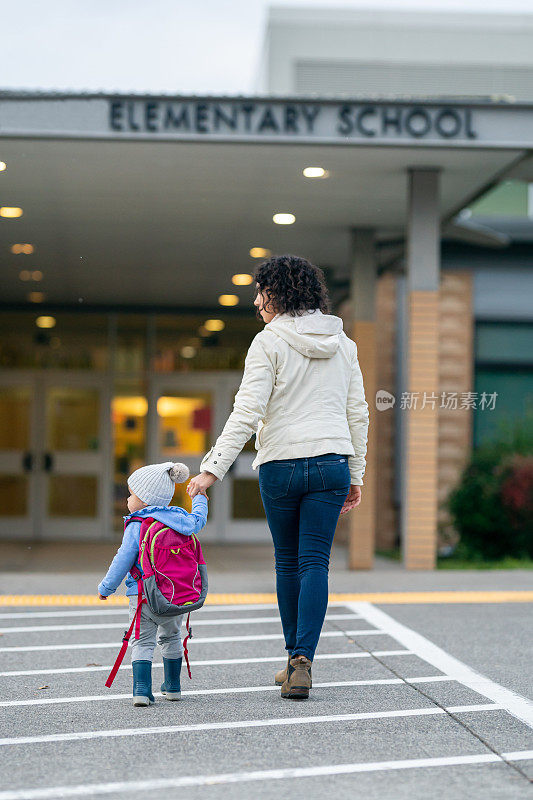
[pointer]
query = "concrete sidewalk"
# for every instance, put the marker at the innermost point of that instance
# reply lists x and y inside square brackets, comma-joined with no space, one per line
[77,568]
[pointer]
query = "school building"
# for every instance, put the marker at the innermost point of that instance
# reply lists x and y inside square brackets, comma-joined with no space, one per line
[130,226]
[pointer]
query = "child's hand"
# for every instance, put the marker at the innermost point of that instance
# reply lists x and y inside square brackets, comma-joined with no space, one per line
[201,483]
[101,596]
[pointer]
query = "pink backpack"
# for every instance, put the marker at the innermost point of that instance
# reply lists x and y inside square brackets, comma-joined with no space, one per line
[173,579]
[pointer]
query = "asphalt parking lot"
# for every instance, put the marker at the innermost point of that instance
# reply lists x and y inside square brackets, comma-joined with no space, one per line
[408,701]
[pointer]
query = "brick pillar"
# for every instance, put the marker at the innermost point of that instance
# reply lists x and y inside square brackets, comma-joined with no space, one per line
[456,374]
[362,520]
[421,457]
[421,367]
[387,524]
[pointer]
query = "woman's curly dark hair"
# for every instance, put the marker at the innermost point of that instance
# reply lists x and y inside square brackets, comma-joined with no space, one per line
[292,285]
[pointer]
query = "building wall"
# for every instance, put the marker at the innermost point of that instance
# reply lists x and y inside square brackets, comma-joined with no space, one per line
[387,520]
[384,427]
[456,368]
[456,365]
[314,51]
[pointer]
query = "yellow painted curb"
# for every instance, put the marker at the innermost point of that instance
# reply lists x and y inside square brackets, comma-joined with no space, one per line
[237,599]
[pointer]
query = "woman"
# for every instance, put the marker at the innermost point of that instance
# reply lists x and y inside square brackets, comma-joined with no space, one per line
[302,394]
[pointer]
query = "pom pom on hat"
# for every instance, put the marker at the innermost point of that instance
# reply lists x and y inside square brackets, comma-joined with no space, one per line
[179,472]
[154,484]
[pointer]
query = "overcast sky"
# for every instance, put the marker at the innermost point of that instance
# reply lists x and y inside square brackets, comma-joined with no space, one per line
[156,45]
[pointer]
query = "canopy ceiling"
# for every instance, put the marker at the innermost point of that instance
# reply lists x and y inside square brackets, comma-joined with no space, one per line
[169,223]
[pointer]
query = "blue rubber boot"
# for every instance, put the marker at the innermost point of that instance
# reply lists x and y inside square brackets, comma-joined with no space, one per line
[142,683]
[171,687]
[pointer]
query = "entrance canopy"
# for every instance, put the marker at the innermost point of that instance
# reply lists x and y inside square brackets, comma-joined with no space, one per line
[158,201]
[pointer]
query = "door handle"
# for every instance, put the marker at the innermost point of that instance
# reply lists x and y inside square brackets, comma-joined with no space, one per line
[48,462]
[27,462]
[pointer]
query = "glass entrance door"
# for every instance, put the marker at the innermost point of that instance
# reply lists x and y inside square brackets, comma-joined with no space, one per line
[186,414]
[18,489]
[54,456]
[180,427]
[75,457]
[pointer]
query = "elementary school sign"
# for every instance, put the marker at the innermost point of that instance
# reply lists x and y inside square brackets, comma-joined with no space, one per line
[291,119]
[344,122]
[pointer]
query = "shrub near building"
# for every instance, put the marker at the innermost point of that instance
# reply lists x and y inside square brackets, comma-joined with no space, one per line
[492,506]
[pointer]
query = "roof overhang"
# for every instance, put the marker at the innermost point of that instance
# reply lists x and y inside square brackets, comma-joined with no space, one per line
[158,200]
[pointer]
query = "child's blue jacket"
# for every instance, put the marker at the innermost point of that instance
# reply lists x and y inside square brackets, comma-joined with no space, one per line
[127,554]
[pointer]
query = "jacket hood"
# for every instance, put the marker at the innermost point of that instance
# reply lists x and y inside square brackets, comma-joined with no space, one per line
[313,334]
[168,515]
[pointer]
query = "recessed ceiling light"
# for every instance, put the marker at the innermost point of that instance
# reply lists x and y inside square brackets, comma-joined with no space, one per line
[259,252]
[36,297]
[284,219]
[188,351]
[27,249]
[25,275]
[45,322]
[36,275]
[228,299]
[3,166]
[215,324]
[242,279]
[10,211]
[315,172]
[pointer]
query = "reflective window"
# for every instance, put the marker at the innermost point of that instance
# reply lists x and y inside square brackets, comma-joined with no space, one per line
[72,418]
[186,343]
[184,424]
[72,495]
[75,341]
[246,500]
[15,411]
[13,495]
[129,441]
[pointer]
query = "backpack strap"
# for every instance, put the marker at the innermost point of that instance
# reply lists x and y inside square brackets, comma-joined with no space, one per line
[136,575]
[127,634]
[185,648]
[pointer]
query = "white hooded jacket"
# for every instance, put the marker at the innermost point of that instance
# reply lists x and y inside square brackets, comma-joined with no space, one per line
[301,393]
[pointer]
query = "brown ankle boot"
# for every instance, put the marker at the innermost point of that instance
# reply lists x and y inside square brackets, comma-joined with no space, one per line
[281,676]
[298,682]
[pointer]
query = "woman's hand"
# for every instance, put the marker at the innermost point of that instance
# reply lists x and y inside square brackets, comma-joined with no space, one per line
[353,499]
[200,483]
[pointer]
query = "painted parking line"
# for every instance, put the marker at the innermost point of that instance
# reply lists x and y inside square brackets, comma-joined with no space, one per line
[232,690]
[156,784]
[246,723]
[93,612]
[520,707]
[204,640]
[110,625]
[473,596]
[208,663]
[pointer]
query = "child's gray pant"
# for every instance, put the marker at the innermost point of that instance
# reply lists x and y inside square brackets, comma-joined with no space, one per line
[166,629]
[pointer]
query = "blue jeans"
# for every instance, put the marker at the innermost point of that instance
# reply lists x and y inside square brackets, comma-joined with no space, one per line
[302,498]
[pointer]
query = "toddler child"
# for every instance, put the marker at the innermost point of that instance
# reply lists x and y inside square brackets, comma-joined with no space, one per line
[151,490]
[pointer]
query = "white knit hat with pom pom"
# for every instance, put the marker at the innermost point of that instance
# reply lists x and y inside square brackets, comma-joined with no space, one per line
[154,484]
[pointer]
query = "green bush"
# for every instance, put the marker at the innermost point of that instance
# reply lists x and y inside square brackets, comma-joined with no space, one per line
[492,505]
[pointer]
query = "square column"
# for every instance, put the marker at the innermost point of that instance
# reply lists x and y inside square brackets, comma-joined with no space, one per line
[362,520]
[421,398]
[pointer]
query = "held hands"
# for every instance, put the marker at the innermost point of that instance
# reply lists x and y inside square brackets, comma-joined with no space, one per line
[200,483]
[353,499]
